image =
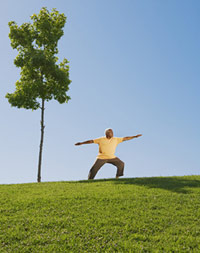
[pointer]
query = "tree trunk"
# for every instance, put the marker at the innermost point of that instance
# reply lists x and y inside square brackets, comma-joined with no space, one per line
[41,142]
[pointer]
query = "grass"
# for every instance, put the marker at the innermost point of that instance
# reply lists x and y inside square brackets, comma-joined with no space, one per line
[160,214]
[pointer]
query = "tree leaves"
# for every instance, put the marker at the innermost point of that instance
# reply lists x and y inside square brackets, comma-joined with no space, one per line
[41,76]
[49,28]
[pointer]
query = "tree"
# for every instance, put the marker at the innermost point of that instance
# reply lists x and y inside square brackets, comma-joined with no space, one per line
[41,77]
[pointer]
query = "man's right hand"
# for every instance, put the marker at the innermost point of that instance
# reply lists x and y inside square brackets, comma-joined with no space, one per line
[84,142]
[78,143]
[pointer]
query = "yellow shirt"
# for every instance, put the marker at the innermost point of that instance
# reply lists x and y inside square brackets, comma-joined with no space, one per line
[107,146]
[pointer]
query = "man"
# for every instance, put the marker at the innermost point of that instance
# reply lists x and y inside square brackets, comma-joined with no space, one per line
[107,147]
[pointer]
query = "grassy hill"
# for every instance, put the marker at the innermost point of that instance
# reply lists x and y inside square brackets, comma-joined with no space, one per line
[160,214]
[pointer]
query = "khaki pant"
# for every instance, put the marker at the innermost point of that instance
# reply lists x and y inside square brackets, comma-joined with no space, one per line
[100,162]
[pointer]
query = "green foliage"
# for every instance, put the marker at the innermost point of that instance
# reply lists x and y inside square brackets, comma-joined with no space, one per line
[41,76]
[125,215]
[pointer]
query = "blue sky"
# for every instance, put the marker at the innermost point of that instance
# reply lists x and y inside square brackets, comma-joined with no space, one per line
[134,66]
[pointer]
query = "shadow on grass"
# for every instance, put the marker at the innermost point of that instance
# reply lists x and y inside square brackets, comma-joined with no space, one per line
[175,184]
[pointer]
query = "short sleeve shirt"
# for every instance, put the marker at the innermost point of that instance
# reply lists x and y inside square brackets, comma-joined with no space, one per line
[107,146]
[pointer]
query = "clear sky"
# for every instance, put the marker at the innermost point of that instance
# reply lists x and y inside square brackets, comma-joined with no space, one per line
[134,66]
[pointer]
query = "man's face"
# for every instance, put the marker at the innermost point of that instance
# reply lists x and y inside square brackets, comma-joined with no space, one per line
[109,133]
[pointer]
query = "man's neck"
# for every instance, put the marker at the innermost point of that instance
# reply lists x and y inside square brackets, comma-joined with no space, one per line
[108,137]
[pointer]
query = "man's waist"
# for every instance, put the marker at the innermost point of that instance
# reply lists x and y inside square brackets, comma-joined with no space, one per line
[105,156]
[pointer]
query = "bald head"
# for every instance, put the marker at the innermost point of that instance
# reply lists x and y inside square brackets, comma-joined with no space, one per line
[109,133]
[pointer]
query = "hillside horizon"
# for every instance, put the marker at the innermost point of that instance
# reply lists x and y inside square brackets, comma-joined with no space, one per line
[103,215]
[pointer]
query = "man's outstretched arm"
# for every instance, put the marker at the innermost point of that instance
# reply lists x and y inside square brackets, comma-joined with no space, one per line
[131,137]
[84,142]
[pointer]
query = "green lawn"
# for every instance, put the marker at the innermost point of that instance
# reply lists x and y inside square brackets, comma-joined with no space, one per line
[160,214]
